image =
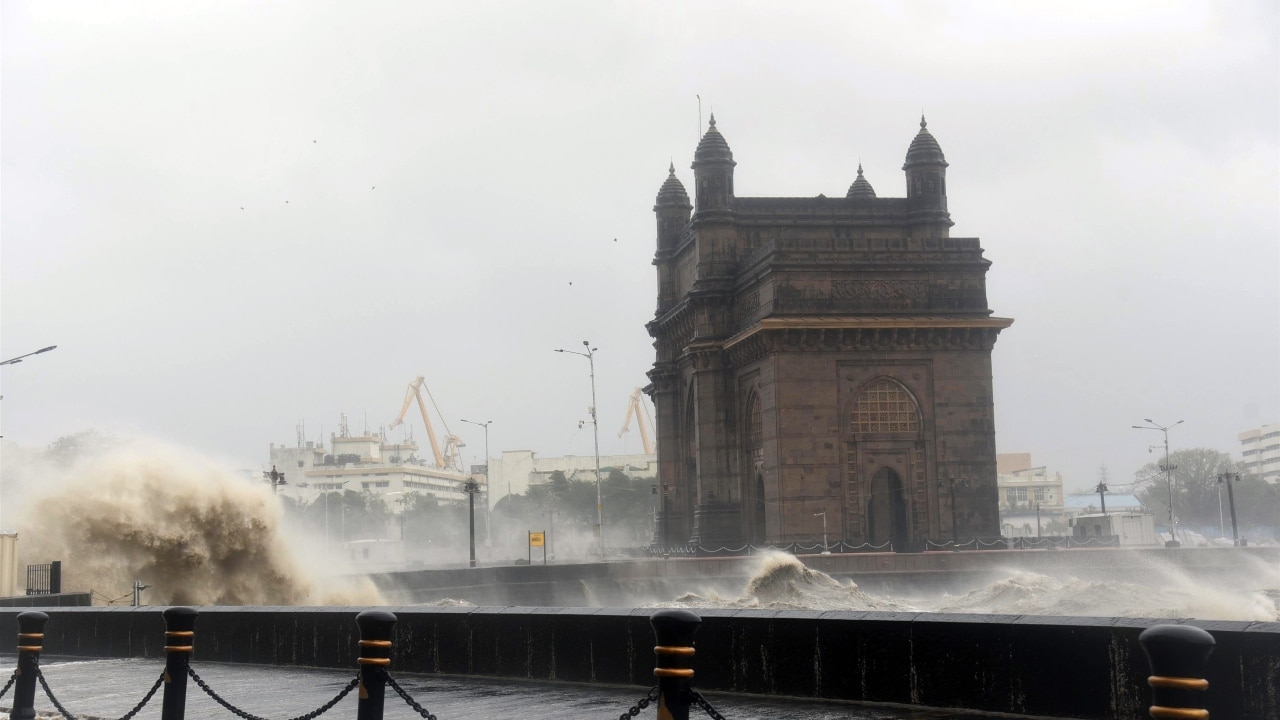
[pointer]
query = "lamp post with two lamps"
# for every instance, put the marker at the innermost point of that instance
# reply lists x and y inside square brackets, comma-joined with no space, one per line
[1168,472]
[488,486]
[826,549]
[590,355]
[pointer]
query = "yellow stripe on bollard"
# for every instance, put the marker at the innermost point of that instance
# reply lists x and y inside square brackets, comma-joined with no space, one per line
[1178,683]
[1165,713]
[665,650]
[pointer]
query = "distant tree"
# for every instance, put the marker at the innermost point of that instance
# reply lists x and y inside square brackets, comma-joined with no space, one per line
[1195,490]
[70,448]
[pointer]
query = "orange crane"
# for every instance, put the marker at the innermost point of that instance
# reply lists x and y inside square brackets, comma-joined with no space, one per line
[637,409]
[447,459]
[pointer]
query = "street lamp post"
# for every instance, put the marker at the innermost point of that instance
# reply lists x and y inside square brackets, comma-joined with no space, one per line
[1037,521]
[951,484]
[276,479]
[16,360]
[590,355]
[1227,479]
[1168,473]
[823,513]
[551,531]
[488,486]
[472,487]
[327,539]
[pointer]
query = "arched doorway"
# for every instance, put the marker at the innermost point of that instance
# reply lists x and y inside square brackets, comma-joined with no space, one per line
[887,510]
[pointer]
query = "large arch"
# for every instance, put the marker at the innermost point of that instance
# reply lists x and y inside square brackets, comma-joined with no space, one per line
[887,496]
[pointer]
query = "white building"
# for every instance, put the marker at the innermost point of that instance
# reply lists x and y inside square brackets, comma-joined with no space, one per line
[516,470]
[364,462]
[1028,496]
[1260,452]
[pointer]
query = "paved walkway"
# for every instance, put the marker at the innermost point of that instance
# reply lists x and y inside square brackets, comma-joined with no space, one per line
[110,688]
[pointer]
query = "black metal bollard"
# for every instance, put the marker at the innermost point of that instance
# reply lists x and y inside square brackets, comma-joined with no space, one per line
[375,656]
[1177,655]
[673,631]
[30,643]
[179,636]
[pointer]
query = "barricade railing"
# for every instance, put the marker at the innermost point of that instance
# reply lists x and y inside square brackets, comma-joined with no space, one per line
[840,546]
[1023,543]
[1176,654]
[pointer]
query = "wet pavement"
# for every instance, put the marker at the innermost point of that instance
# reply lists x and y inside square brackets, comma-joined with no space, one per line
[110,688]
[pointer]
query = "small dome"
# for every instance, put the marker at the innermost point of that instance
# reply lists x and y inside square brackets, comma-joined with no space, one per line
[672,191]
[861,189]
[712,146]
[924,149]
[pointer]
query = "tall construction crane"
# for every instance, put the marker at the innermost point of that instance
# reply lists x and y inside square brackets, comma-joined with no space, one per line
[447,459]
[637,409]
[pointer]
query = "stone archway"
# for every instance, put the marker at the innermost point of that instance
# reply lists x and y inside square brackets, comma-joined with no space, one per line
[887,510]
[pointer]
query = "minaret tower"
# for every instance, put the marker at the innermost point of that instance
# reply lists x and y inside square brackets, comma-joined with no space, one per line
[713,172]
[926,169]
[672,208]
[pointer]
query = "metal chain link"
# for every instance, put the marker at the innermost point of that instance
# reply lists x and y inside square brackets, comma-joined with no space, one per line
[249,716]
[127,716]
[706,706]
[405,696]
[644,703]
[9,684]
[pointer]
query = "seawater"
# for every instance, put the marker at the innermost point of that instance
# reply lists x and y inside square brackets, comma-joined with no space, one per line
[783,582]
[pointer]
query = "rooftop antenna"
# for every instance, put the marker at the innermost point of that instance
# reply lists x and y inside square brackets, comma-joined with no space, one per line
[302,432]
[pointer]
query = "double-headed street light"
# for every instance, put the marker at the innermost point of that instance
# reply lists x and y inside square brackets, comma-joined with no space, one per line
[590,355]
[488,486]
[1168,472]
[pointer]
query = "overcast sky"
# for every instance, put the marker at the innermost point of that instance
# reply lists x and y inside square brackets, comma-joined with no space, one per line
[233,217]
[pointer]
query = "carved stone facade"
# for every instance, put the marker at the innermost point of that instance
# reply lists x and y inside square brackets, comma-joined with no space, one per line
[821,355]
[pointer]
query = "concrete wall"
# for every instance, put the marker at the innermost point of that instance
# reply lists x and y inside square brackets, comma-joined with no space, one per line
[653,580]
[1062,667]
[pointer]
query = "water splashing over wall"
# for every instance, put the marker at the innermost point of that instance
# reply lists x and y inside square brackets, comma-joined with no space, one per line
[193,531]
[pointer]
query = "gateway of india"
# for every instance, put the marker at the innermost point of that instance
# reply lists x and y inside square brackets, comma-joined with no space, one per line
[821,362]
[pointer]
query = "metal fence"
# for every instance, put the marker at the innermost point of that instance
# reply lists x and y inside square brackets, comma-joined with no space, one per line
[45,579]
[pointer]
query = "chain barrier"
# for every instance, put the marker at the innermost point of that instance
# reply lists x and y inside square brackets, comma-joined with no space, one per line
[9,684]
[406,697]
[634,710]
[249,716]
[67,714]
[701,702]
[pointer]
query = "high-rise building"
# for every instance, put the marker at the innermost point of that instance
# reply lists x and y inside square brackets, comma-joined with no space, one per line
[1260,452]
[821,360]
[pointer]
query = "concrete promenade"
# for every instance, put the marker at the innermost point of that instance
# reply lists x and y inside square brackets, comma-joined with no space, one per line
[110,688]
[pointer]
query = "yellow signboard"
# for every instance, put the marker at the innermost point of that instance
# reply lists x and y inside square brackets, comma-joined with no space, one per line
[537,539]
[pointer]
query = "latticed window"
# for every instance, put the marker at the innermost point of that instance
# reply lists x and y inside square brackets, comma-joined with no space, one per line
[884,406]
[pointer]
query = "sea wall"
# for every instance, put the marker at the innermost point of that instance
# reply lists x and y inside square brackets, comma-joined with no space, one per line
[1047,666]
[657,580]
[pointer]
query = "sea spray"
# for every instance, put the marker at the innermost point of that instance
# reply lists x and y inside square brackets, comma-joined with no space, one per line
[781,581]
[192,531]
